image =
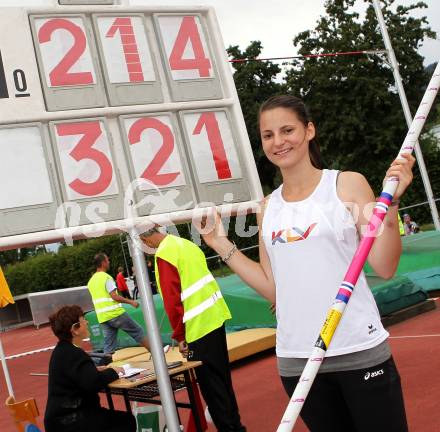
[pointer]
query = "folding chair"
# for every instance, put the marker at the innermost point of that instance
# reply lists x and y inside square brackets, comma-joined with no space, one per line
[24,414]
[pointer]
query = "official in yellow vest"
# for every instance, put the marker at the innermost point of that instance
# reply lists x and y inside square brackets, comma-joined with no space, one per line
[401,228]
[197,312]
[108,306]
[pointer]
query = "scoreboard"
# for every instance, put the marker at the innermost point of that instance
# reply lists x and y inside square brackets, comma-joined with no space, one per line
[109,111]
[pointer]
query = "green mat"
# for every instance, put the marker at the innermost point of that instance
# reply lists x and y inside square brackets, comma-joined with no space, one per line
[249,310]
[417,273]
[397,293]
[420,251]
[428,279]
[419,262]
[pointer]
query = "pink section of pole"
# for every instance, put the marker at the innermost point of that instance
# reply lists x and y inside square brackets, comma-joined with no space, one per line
[351,277]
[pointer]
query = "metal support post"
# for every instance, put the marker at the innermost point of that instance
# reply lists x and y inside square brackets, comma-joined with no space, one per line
[407,112]
[149,312]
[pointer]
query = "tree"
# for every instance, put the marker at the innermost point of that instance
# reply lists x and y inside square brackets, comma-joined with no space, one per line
[255,82]
[434,115]
[19,255]
[353,98]
[71,267]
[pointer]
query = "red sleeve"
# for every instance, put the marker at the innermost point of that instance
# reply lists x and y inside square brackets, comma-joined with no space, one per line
[120,282]
[170,285]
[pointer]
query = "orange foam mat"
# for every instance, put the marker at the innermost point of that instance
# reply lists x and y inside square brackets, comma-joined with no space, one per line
[241,344]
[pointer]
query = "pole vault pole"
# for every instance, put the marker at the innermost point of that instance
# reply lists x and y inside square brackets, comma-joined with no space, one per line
[354,270]
[407,112]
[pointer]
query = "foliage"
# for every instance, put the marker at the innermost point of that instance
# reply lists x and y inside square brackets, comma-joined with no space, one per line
[70,267]
[353,99]
[354,104]
[19,255]
[434,115]
[255,82]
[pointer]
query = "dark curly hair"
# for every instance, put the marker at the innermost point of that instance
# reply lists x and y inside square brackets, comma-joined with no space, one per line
[62,321]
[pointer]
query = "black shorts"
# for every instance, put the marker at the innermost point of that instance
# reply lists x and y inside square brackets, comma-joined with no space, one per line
[363,400]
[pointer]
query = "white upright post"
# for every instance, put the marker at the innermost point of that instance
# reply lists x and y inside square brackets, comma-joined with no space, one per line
[154,338]
[6,370]
[407,112]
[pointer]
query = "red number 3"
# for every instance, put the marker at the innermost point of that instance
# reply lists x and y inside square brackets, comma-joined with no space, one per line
[90,132]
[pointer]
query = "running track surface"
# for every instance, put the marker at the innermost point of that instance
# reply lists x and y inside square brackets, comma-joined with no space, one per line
[415,344]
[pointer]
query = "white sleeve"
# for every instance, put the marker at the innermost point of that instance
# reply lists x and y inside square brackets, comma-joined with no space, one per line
[110,285]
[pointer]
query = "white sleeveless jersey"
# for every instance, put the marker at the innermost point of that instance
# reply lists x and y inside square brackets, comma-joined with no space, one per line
[310,244]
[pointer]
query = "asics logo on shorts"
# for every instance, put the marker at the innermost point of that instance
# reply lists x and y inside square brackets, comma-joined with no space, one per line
[374,374]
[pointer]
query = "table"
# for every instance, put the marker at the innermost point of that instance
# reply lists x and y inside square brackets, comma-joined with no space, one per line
[144,387]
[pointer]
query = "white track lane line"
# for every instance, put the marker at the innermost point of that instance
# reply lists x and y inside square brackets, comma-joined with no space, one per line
[36,351]
[30,352]
[414,336]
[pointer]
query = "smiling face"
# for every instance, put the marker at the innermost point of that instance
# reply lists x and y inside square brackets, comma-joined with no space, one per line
[285,137]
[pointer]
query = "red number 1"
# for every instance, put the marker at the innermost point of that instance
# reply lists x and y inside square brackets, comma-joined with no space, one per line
[189,32]
[209,121]
[129,45]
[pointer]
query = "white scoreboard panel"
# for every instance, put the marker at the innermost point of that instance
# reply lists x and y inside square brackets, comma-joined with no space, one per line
[189,64]
[130,70]
[68,62]
[112,111]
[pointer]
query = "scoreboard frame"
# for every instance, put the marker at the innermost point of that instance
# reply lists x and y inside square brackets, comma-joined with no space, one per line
[249,193]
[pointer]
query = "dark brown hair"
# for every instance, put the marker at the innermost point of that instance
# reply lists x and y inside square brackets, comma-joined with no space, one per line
[297,106]
[98,259]
[62,321]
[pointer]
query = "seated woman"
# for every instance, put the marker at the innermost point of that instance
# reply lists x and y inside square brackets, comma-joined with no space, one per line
[74,381]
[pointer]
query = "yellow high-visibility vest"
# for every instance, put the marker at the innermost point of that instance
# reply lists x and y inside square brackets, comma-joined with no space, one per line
[401,228]
[204,307]
[106,308]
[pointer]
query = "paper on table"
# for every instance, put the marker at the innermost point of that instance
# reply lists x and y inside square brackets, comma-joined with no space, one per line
[130,371]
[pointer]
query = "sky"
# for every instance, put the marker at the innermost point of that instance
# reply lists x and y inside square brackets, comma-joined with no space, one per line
[275,22]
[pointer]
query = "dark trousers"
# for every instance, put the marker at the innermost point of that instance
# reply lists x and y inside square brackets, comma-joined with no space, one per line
[125,294]
[363,400]
[101,419]
[215,381]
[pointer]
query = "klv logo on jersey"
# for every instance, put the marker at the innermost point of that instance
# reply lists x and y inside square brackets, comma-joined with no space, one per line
[290,235]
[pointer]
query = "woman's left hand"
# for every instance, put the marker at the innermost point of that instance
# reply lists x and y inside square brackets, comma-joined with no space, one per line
[401,168]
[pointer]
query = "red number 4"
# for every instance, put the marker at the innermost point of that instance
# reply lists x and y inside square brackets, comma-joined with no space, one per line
[189,32]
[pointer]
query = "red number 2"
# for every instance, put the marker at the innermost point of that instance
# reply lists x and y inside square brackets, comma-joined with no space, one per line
[209,121]
[129,45]
[189,32]
[152,171]
[60,75]
[90,132]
